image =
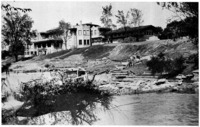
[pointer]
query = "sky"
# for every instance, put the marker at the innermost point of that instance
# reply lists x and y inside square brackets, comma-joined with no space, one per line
[47,14]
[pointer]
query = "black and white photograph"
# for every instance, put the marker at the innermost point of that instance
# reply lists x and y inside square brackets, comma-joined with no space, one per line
[100,63]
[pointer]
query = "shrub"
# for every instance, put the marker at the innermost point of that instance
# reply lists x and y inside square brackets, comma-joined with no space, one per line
[47,65]
[129,40]
[77,97]
[194,58]
[160,64]
[5,54]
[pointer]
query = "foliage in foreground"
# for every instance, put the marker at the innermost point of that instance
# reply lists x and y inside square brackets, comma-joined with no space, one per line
[78,98]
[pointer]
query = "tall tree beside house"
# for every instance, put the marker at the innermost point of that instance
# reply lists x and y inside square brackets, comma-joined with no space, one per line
[16,29]
[135,17]
[106,16]
[64,26]
[122,19]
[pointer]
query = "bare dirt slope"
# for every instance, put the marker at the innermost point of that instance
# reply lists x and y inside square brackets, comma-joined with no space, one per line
[103,56]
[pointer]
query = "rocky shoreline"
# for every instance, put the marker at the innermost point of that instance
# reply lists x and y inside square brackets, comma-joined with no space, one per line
[115,86]
[142,85]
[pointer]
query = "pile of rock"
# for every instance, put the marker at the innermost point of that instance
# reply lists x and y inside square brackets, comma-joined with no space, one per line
[138,86]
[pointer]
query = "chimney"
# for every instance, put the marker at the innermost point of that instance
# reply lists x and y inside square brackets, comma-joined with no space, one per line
[80,22]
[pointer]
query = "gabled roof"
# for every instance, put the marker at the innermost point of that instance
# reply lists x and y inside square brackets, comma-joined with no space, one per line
[90,24]
[131,29]
[104,28]
[55,31]
[48,40]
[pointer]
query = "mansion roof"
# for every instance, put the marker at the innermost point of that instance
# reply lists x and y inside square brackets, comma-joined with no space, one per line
[132,29]
[47,40]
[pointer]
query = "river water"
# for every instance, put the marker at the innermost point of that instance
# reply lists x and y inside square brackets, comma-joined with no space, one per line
[152,109]
[142,109]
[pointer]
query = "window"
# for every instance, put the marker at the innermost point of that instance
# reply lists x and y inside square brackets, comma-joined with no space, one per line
[150,32]
[79,32]
[95,32]
[88,42]
[39,46]
[44,45]
[31,52]
[49,44]
[80,42]
[84,42]
[84,32]
[88,32]
[35,53]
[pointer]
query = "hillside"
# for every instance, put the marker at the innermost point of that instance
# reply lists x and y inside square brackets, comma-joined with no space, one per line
[112,54]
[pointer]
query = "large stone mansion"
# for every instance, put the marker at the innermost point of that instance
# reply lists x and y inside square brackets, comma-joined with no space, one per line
[85,35]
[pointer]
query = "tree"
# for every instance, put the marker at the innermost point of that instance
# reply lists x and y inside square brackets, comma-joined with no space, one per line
[161,63]
[181,9]
[65,29]
[122,19]
[106,16]
[135,17]
[16,29]
[187,13]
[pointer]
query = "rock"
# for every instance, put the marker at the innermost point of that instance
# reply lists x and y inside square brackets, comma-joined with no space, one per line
[180,76]
[134,87]
[196,71]
[12,104]
[161,81]
[180,82]
[146,57]
[104,58]
[108,86]
[21,118]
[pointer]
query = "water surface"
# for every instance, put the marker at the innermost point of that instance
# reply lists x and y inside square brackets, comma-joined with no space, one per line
[142,109]
[152,109]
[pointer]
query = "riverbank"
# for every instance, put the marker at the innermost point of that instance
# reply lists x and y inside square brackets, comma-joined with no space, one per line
[109,83]
[106,83]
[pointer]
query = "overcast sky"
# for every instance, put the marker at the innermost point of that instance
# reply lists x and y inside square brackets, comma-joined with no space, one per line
[46,15]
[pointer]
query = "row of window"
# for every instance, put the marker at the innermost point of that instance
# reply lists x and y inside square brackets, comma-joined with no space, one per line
[149,33]
[44,45]
[146,33]
[86,42]
[87,32]
[31,53]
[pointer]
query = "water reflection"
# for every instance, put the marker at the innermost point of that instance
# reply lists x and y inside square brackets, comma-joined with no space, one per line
[67,109]
[152,109]
[143,109]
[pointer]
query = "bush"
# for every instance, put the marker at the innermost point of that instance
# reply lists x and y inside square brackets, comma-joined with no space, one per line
[47,65]
[5,54]
[77,97]
[160,64]
[120,40]
[129,40]
[194,58]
